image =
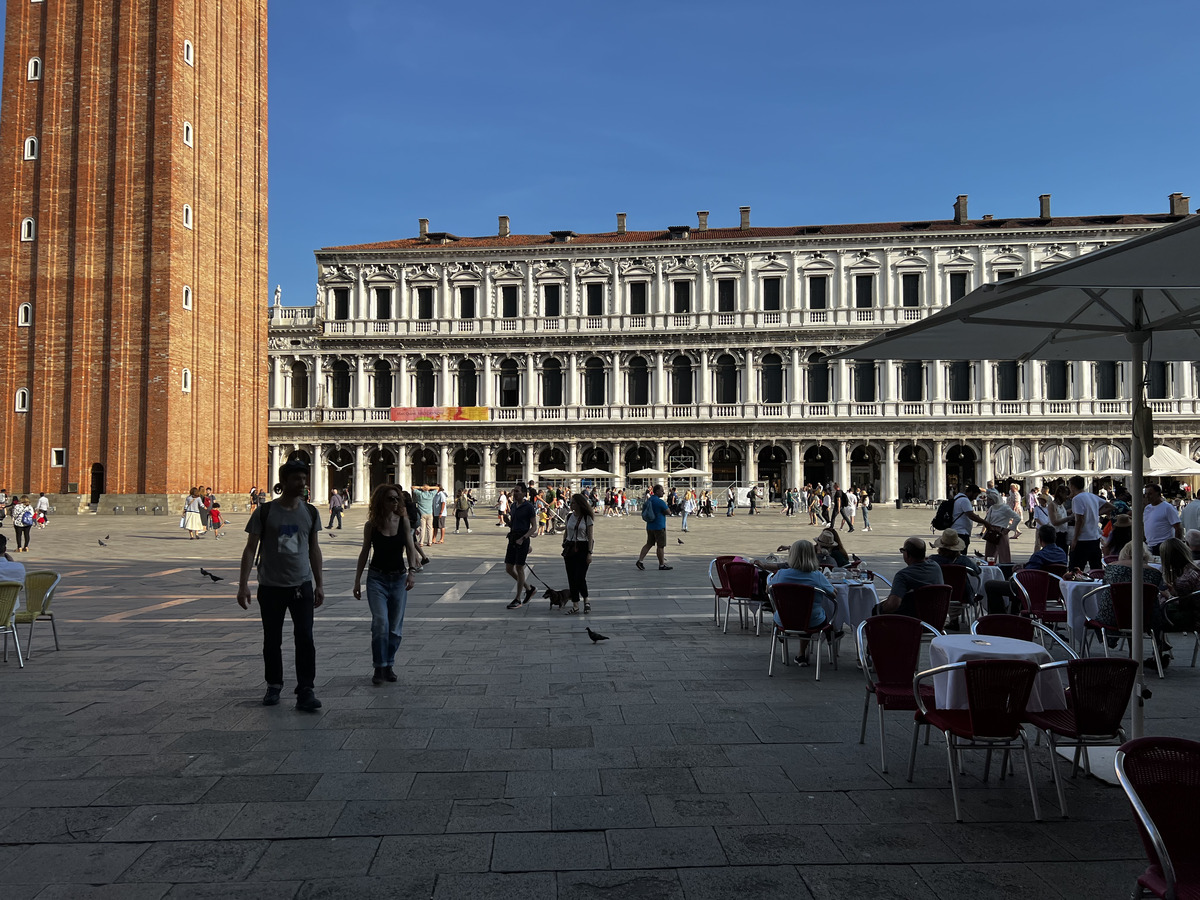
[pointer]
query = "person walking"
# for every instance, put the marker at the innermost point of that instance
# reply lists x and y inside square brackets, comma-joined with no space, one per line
[730,500]
[388,540]
[282,536]
[4,505]
[654,513]
[689,507]
[522,526]
[440,503]
[865,503]
[501,508]
[424,496]
[462,511]
[336,505]
[193,516]
[43,509]
[578,543]
[22,516]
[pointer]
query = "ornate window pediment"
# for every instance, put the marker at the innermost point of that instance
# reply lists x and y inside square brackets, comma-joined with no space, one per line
[638,267]
[862,259]
[381,273]
[424,272]
[465,272]
[338,274]
[680,265]
[593,268]
[551,268]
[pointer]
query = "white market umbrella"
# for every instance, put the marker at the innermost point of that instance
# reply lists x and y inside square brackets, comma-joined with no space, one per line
[552,473]
[649,473]
[1114,473]
[594,473]
[1106,305]
[690,472]
[1165,462]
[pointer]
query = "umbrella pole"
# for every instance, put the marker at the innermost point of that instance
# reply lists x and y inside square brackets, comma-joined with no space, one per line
[1137,452]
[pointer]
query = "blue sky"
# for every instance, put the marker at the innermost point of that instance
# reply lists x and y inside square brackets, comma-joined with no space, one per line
[560,115]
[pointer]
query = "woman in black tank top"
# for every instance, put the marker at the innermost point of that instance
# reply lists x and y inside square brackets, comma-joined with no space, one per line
[388,541]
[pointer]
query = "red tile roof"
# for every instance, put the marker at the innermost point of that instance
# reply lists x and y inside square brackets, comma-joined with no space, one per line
[727,234]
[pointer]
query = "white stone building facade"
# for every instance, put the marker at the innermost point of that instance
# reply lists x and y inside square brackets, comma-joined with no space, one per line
[481,361]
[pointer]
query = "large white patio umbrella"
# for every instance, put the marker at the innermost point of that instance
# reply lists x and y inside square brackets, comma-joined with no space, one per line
[1138,299]
[1165,463]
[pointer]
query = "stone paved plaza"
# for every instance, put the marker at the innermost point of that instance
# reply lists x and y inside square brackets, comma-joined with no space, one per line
[514,758]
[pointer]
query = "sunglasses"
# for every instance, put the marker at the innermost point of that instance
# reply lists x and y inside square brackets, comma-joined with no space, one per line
[392,498]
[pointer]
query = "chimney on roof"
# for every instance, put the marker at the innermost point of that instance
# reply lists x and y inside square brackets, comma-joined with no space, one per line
[1179,204]
[504,231]
[423,231]
[960,209]
[702,219]
[1044,203]
[620,223]
[745,211]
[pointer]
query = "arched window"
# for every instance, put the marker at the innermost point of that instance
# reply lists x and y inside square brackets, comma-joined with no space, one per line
[187,133]
[772,378]
[185,381]
[189,53]
[510,384]
[681,380]
[639,382]
[31,148]
[727,386]
[187,297]
[593,382]
[818,379]
[34,69]
[552,383]
[299,385]
[25,315]
[28,229]
[423,372]
[468,384]
[187,216]
[22,401]
[339,385]
[383,384]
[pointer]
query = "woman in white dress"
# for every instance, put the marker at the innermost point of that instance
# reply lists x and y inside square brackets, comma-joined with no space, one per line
[1001,520]
[191,515]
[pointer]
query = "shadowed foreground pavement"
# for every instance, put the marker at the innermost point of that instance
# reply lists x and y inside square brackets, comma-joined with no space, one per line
[514,758]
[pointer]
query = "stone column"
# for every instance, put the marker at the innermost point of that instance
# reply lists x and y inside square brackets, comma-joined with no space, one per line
[797,392]
[660,379]
[488,387]
[750,388]
[706,460]
[530,300]
[987,381]
[531,382]
[444,305]
[795,465]
[571,301]
[890,489]
[937,487]
[750,470]
[573,456]
[618,465]
[402,381]
[487,475]
[316,381]
[444,469]
[319,483]
[444,395]
[530,464]
[659,302]
[841,383]
[276,462]
[1085,453]
[360,483]
[937,381]
[988,461]
[1035,455]
[660,456]
[403,467]
[361,299]
[572,380]
[705,386]
[401,306]
[843,465]
[483,306]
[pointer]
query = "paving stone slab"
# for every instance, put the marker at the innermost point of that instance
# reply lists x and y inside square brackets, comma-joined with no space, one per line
[599,813]
[554,783]
[147,790]
[705,809]
[433,854]
[776,845]
[394,887]
[71,863]
[196,861]
[985,881]
[363,786]
[875,844]
[647,781]
[198,821]
[413,760]
[63,824]
[276,890]
[310,819]
[77,792]
[382,817]
[314,859]
[896,882]
[496,886]
[624,885]
[642,848]
[457,785]
[513,814]
[549,851]
[103,892]
[743,882]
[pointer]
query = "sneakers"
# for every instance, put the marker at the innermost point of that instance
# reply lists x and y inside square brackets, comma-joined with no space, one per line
[528,594]
[516,604]
[468,531]
[389,674]
[306,700]
[664,568]
[377,678]
[271,697]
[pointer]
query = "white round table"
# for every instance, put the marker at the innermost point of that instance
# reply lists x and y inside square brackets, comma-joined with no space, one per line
[990,573]
[1078,609]
[950,688]
[855,600]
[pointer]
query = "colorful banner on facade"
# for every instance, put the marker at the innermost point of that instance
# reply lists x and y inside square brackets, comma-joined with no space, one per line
[439,413]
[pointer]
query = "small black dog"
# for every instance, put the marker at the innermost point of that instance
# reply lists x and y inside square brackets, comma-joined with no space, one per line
[557,598]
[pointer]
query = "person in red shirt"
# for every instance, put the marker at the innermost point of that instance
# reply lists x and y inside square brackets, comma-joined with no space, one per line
[215,521]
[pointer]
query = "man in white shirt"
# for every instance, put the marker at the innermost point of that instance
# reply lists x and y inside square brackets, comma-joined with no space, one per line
[964,513]
[1191,515]
[1159,518]
[1085,541]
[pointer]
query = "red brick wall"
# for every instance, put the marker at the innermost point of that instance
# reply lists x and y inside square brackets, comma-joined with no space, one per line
[110,339]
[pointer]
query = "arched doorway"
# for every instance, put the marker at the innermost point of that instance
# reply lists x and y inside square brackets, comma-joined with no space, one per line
[595,458]
[726,465]
[960,468]
[424,467]
[682,457]
[818,466]
[510,468]
[552,458]
[772,461]
[638,458]
[912,466]
[864,467]
[382,468]
[340,466]
[97,486]
[466,470]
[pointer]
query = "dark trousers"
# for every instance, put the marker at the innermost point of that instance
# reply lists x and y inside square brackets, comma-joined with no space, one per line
[334,514]
[576,562]
[999,596]
[1086,555]
[273,604]
[22,535]
[462,517]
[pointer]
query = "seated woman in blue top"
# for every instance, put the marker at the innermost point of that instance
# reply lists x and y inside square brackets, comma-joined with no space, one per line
[801,568]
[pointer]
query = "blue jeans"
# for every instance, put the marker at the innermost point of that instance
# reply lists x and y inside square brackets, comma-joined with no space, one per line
[387,596]
[685,518]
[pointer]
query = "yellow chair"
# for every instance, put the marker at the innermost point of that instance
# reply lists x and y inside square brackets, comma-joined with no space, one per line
[9,591]
[39,591]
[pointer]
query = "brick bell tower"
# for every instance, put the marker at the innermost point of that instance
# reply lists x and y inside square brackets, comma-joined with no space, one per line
[133,249]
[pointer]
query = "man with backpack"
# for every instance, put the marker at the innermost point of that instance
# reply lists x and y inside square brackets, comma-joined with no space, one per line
[654,514]
[959,513]
[283,541]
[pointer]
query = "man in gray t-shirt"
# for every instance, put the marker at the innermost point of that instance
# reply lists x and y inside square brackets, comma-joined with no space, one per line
[917,572]
[283,536]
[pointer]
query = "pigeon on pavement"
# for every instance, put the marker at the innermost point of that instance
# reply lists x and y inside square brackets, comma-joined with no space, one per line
[596,636]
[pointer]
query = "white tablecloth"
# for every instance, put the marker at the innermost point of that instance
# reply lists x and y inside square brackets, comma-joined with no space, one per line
[990,573]
[950,688]
[854,603]
[1072,594]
